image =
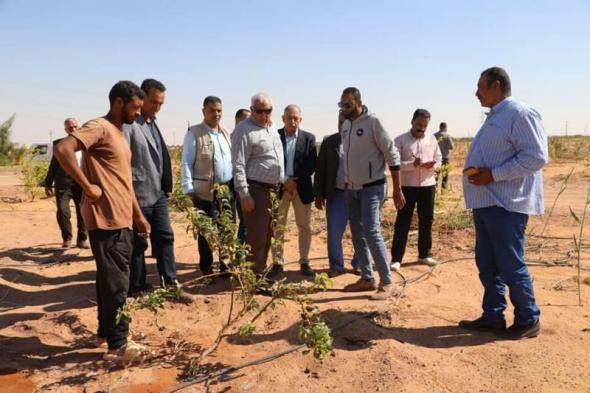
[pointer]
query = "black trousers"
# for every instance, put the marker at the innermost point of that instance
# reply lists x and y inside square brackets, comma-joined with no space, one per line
[112,251]
[63,215]
[424,198]
[445,178]
[162,239]
[211,208]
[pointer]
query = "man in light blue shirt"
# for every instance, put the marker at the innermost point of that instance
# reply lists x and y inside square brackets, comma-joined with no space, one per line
[206,161]
[503,184]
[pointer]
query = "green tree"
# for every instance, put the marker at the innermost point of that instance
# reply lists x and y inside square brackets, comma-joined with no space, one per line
[6,145]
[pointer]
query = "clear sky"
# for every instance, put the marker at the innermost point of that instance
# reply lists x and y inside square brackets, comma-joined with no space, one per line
[60,59]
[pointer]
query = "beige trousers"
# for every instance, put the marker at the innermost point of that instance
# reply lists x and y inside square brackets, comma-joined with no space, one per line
[303,221]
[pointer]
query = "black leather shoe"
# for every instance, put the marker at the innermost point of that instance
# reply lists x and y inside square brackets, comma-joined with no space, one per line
[274,272]
[518,332]
[482,324]
[306,270]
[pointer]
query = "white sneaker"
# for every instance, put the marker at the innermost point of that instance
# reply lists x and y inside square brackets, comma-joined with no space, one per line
[428,261]
[396,266]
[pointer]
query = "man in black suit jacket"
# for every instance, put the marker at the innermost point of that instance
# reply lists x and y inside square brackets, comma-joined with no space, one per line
[330,192]
[300,160]
[65,189]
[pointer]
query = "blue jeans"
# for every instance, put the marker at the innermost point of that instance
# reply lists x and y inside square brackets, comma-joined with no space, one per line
[499,255]
[364,216]
[337,218]
[162,239]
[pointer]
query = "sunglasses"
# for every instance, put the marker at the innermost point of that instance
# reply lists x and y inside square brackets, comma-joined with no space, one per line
[345,105]
[259,111]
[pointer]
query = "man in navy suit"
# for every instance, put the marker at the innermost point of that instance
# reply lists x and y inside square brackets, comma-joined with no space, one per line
[152,183]
[300,161]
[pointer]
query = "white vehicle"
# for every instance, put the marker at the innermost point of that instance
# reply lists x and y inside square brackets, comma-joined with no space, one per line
[43,151]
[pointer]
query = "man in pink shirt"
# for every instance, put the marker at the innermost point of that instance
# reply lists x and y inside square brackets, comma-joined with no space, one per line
[420,158]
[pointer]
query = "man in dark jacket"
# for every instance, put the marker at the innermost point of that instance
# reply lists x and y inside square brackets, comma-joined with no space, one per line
[66,189]
[330,191]
[300,160]
[152,183]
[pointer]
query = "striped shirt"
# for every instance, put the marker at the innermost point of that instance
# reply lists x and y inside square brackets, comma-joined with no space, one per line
[257,154]
[513,143]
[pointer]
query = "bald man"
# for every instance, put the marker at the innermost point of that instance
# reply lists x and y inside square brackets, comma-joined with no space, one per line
[300,159]
[66,189]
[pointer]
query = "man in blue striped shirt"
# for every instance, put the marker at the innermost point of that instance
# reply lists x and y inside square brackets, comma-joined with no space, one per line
[503,184]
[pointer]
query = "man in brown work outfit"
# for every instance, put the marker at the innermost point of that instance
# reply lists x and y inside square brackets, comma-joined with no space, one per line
[109,208]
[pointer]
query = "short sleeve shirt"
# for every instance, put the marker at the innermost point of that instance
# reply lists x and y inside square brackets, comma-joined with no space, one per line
[107,164]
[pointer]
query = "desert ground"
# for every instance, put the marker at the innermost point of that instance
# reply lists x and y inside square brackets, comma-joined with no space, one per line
[410,343]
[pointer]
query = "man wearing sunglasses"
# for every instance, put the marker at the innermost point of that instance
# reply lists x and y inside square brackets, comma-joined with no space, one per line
[367,148]
[258,171]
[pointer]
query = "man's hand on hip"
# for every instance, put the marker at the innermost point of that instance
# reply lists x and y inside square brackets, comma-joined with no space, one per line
[93,192]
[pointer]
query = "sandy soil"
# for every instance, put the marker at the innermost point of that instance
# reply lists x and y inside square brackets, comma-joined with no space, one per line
[48,317]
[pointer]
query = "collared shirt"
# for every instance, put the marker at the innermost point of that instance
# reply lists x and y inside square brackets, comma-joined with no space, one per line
[290,143]
[410,148]
[257,154]
[513,143]
[154,130]
[222,164]
[445,143]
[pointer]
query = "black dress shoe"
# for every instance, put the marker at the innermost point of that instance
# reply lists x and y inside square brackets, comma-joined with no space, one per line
[518,332]
[306,270]
[482,324]
[274,272]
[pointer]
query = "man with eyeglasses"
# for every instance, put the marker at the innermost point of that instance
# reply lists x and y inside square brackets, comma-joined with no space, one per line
[258,171]
[367,148]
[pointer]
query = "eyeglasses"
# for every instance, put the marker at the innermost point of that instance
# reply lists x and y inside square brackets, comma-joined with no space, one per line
[345,105]
[259,111]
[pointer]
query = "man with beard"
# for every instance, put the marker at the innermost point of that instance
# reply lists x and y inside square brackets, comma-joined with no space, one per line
[420,158]
[368,149]
[109,208]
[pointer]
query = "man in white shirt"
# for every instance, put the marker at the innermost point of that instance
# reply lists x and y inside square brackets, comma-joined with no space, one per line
[420,158]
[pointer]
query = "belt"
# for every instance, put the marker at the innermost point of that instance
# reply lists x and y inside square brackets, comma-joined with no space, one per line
[267,186]
[374,183]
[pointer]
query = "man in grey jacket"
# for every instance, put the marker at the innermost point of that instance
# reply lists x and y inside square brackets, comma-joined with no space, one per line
[367,148]
[152,183]
[446,144]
